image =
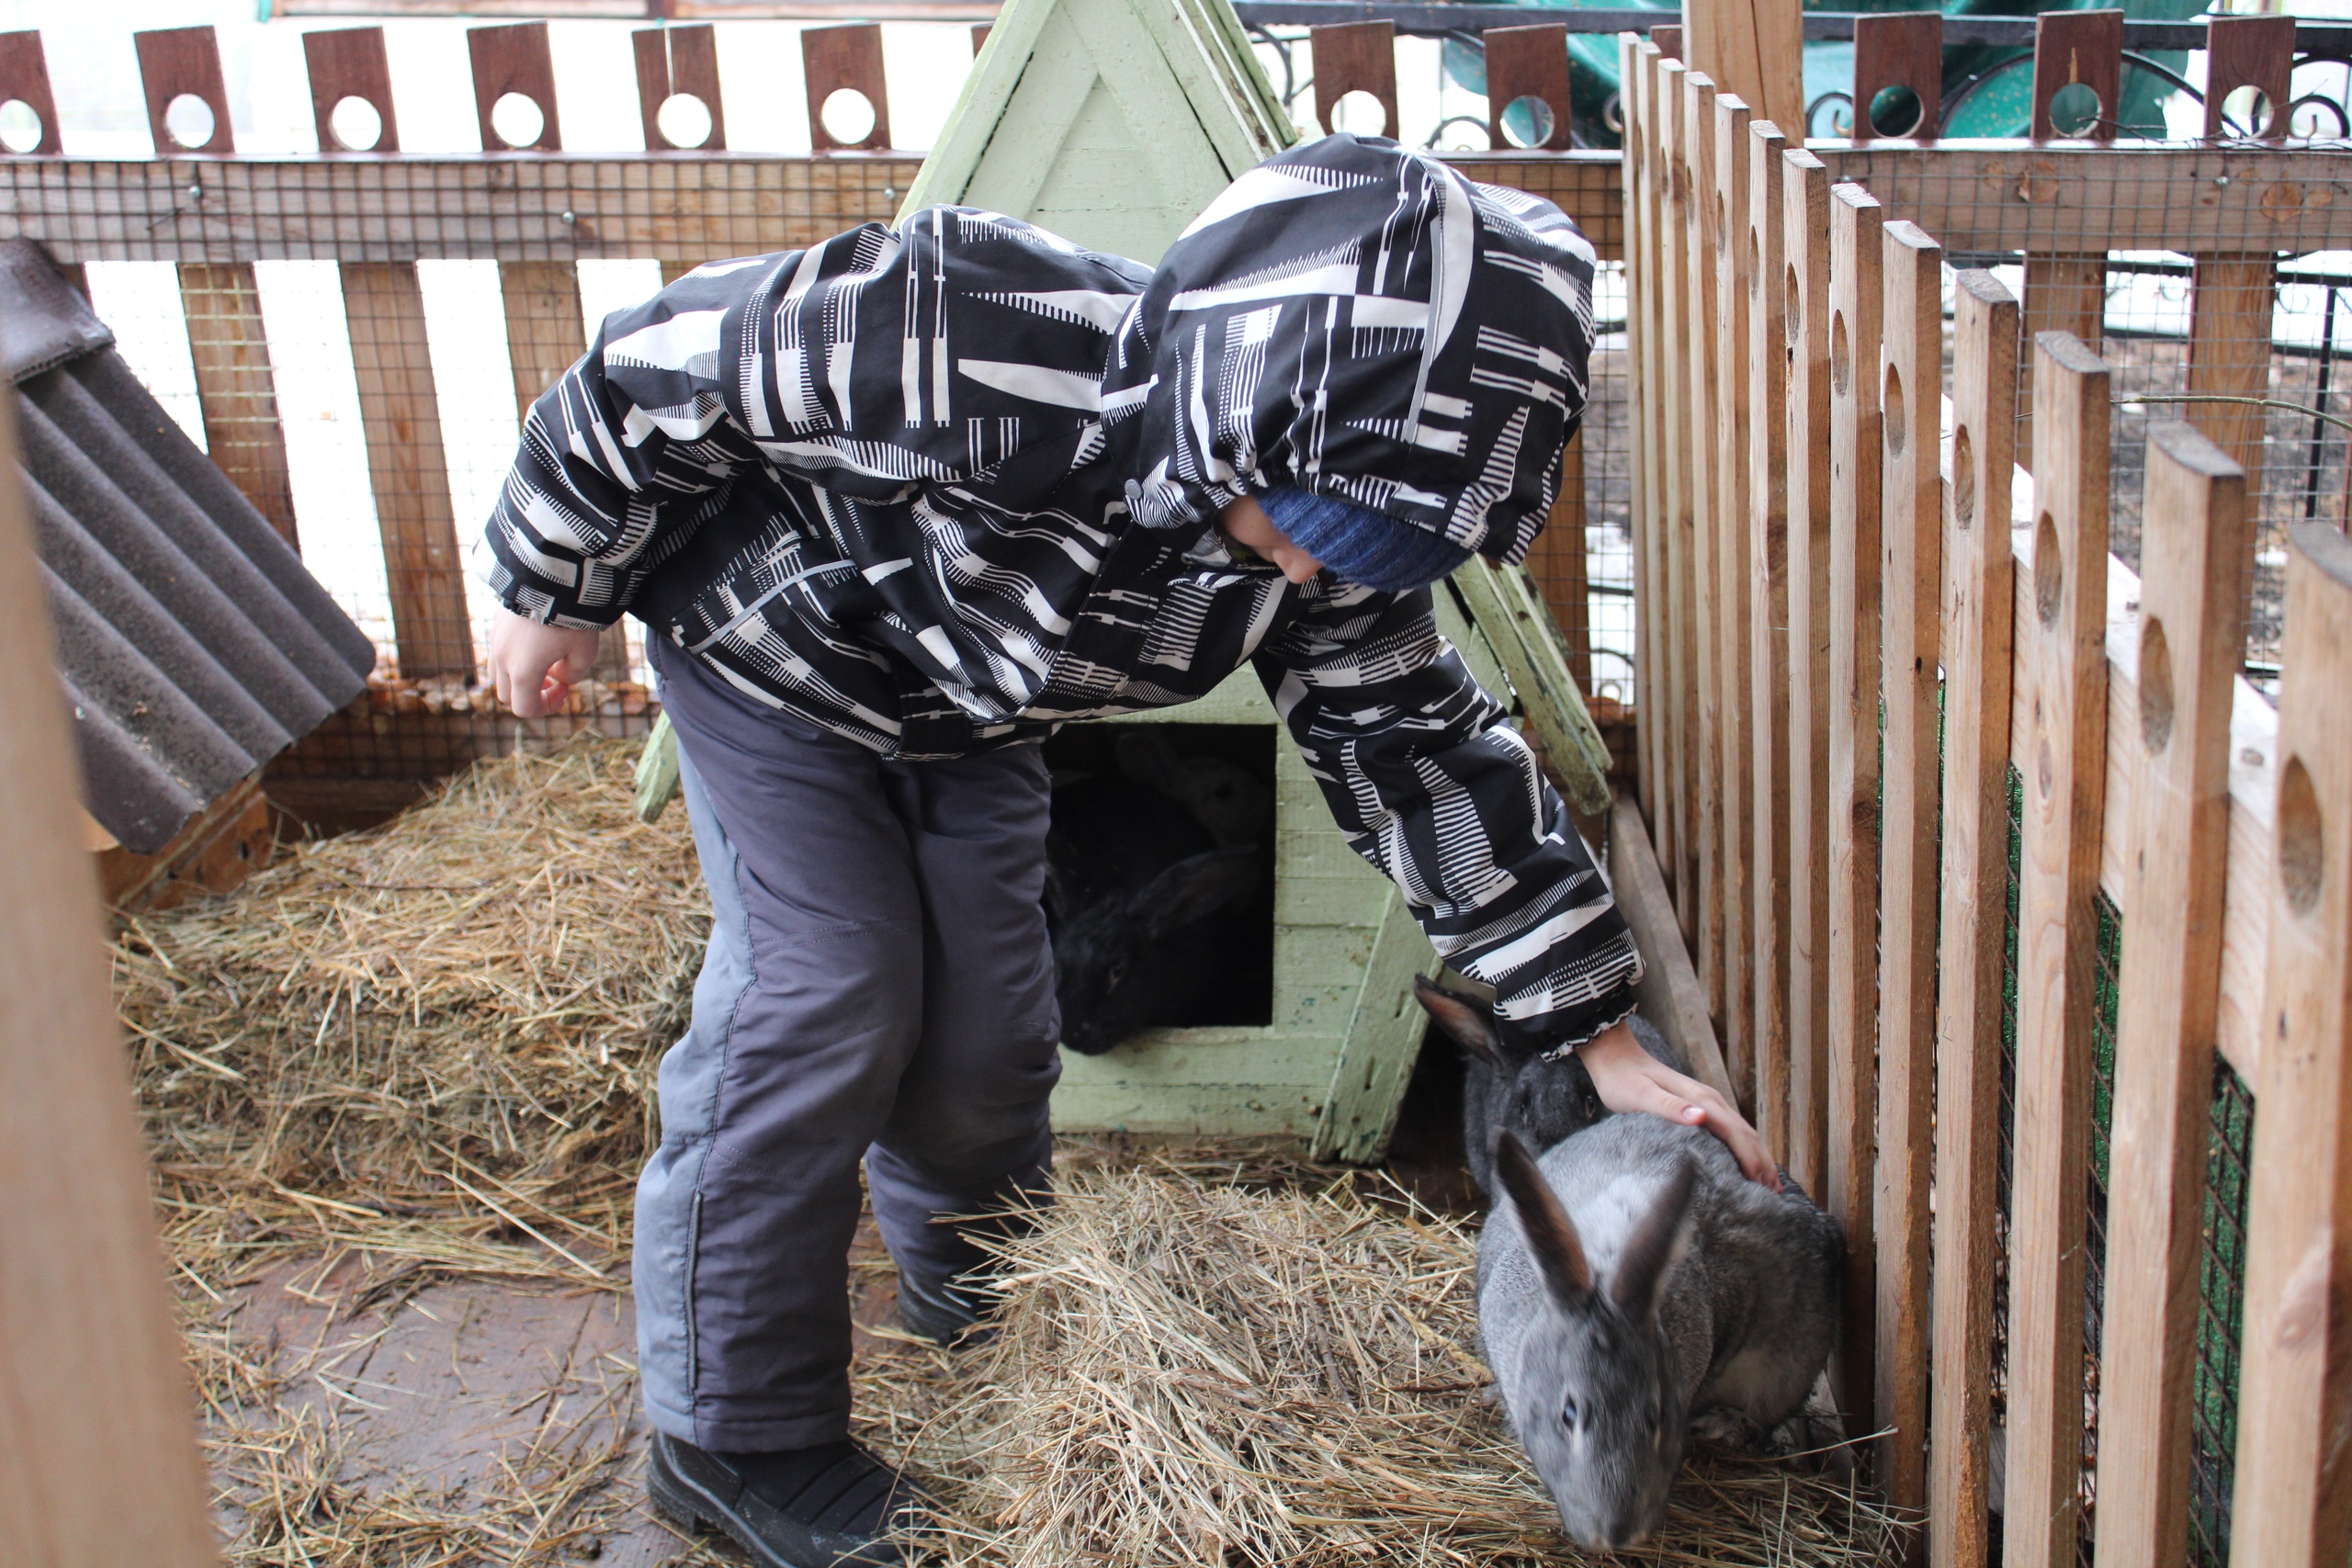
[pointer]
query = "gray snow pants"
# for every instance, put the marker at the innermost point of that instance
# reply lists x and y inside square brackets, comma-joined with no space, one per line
[879,986]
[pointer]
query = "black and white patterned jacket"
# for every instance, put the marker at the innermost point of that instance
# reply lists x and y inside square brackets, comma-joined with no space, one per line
[944,487]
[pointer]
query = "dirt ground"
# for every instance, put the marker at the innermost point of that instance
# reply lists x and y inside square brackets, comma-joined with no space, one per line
[465,1389]
[456,1390]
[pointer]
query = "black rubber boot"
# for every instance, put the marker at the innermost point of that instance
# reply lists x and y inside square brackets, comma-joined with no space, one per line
[945,1314]
[820,1507]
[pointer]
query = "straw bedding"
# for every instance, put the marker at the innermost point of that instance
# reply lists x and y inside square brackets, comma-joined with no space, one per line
[1198,1370]
[425,1053]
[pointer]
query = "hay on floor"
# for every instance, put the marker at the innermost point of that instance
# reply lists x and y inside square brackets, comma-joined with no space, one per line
[1203,1371]
[405,1056]
[425,1053]
[441,1033]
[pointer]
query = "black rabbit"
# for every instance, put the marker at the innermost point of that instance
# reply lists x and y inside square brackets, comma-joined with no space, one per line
[1133,880]
[1543,1099]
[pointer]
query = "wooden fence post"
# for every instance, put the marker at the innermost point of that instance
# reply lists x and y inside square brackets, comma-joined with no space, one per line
[1804,234]
[2230,299]
[2249,52]
[24,78]
[1727,628]
[1679,419]
[230,349]
[2066,292]
[1856,303]
[1663,715]
[1904,49]
[1643,241]
[94,1414]
[1754,49]
[399,413]
[350,63]
[2196,549]
[1529,62]
[546,330]
[672,61]
[1707,499]
[1978,629]
[226,340]
[850,58]
[2078,46]
[2062,686]
[1767,620]
[1354,57]
[1910,619]
[2293,1506]
[2062,294]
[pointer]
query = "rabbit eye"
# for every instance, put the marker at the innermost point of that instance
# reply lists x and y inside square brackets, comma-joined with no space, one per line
[1568,1411]
[1118,972]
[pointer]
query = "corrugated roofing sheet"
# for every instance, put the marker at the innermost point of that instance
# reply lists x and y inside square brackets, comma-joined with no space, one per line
[193,644]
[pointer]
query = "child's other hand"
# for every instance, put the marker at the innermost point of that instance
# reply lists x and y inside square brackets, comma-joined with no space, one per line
[533,666]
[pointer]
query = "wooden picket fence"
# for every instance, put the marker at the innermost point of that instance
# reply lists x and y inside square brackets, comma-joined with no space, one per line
[537,209]
[1861,619]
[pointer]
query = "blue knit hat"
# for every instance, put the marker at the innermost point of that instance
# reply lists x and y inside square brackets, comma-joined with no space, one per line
[1359,545]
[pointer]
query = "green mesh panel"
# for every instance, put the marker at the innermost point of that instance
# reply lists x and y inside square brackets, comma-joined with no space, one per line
[2229,1159]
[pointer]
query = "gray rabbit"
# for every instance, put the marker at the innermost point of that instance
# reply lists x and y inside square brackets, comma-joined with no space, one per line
[1543,1099]
[1636,1283]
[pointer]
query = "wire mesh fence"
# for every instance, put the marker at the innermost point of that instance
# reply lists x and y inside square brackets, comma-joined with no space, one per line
[1609,493]
[2293,437]
[378,403]
[2213,1431]
[2207,280]
[369,403]
[2105,996]
[2004,1183]
[2229,1157]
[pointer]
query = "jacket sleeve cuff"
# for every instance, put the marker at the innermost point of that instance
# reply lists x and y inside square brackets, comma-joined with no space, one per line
[1555,1041]
[520,592]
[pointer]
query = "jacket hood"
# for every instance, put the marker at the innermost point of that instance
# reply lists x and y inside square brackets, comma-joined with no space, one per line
[1362,321]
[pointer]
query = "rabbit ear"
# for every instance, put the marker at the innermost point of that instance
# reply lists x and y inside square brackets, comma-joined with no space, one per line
[1641,1266]
[1551,1235]
[1465,1021]
[1062,879]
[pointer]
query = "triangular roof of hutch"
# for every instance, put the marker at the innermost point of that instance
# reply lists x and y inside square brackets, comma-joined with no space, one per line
[1111,122]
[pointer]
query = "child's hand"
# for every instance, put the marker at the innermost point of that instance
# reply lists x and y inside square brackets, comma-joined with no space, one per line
[1629,1078]
[533,666]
